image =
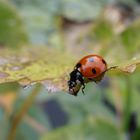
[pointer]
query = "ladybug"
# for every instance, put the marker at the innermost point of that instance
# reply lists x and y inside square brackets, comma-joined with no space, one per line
[89,68]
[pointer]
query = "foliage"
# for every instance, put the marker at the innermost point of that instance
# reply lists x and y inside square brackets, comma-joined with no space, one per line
[32,67]
[107,108]
[12,33]
[92,129]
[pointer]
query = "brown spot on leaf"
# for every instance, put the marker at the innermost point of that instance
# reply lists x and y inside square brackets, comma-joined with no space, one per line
[25,82]
[130,68]
[3,75]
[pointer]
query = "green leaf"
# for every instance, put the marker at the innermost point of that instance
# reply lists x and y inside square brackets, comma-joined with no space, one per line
[136,135]
[36,65]
[33,125]
[131,38]
[93,129]
[4,123]
[12,32]
[48,67]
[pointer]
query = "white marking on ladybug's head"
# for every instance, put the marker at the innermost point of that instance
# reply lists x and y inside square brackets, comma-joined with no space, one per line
[78,74]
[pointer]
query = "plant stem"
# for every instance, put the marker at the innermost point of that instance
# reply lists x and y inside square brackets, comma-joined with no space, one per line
[22,111]
[128,101]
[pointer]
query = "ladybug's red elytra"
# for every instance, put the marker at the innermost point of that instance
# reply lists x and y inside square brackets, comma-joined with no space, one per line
[89,68]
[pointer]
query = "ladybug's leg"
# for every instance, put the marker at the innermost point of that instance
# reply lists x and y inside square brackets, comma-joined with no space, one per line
[83,84]
[83,89]
[80,78]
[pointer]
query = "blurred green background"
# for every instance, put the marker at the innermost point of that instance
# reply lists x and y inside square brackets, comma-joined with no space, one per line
[109,110]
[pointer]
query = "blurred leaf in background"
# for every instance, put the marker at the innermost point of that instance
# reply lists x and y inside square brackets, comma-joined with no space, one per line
[93,129]
[12,31]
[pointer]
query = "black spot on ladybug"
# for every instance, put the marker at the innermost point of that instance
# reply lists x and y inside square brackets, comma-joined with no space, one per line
[78,65]
[93,71]
[103,61]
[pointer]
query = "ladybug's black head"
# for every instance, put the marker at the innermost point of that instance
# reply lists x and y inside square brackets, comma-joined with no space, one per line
[75,82]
